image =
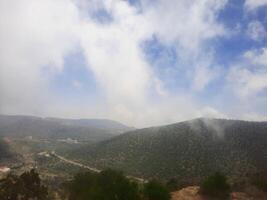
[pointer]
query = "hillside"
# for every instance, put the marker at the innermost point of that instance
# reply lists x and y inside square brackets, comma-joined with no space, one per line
[55,128]
[5,152]
[187,150]
[8,157]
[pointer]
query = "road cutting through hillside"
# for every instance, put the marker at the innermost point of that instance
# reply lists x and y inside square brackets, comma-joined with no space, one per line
[90,168]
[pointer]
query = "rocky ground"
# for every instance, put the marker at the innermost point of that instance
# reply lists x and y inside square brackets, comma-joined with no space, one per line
[191,193]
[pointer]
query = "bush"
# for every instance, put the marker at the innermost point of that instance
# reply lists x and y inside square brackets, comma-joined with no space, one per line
[172,184]
[215,185]
[261,184]
[24,187]
[108,185]
[154,190]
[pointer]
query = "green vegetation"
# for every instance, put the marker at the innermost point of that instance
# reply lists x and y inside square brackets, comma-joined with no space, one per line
[261,184]
[113,185]
[24,187]
[188,151]
[108,185]
[216,186]
[154,190]
[175,184]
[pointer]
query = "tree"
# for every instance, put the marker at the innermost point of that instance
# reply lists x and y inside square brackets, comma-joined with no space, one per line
[26,186]
[154,190]
[215,185]
[172,184]
[107,185]
[116,186]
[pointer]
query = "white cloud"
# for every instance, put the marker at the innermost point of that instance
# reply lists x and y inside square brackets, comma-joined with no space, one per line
[204,74]
[77,84]
[254,117]
[256,31]
[210,112]
[37,35]
[257,57]
[188,24]
[250,76]
[246,82]
[254,4]
[34,34]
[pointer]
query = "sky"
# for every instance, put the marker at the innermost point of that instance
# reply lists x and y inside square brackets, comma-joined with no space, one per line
[140,62]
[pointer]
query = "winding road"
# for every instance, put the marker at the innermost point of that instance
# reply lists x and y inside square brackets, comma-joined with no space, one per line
[88,167]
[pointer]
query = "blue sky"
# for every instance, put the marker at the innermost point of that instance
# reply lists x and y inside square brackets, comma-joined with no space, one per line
[139,62]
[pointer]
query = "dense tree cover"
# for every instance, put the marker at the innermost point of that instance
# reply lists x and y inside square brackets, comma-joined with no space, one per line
[154,190]
[215,185]
[27,186]
[113,185]
[107,185]
[188,151]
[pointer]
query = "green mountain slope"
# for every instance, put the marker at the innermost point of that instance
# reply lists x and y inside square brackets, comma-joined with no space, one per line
[188,150]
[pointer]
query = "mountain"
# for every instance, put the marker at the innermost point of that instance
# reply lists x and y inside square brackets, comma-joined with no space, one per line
[187,150]
[103,124]
[55,128]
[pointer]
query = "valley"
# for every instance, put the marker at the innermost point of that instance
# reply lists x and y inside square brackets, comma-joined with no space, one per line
[187,152]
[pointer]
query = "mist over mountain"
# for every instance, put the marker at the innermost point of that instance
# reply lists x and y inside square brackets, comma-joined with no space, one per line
[104,124]
[55,128]
[187,150]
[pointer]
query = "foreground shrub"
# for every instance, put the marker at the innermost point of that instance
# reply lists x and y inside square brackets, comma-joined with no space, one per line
[24,187]
[216,186]
[108,185]
[154,190]
[261,184]
[172,184]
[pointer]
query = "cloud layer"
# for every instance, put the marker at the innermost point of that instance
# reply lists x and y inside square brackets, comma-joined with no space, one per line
[37,37]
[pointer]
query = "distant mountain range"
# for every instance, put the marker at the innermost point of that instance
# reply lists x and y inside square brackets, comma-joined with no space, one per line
[187,150]
[56,128]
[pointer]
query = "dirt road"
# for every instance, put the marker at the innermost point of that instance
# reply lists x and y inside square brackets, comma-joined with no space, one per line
[90,168]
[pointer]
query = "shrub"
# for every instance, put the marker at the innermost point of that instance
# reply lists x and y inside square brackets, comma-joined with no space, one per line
[215,185]
[261,184]
[108,185]
[24,187]
[154,190]
[172,184]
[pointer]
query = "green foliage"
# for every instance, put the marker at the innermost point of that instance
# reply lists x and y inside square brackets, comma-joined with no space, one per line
[261,184]
[108,185]
[215,185]
[26,186]
[154,190]
[172,184]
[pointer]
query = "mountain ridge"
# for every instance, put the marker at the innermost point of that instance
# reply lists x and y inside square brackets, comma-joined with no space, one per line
[184,150]
[57,128]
